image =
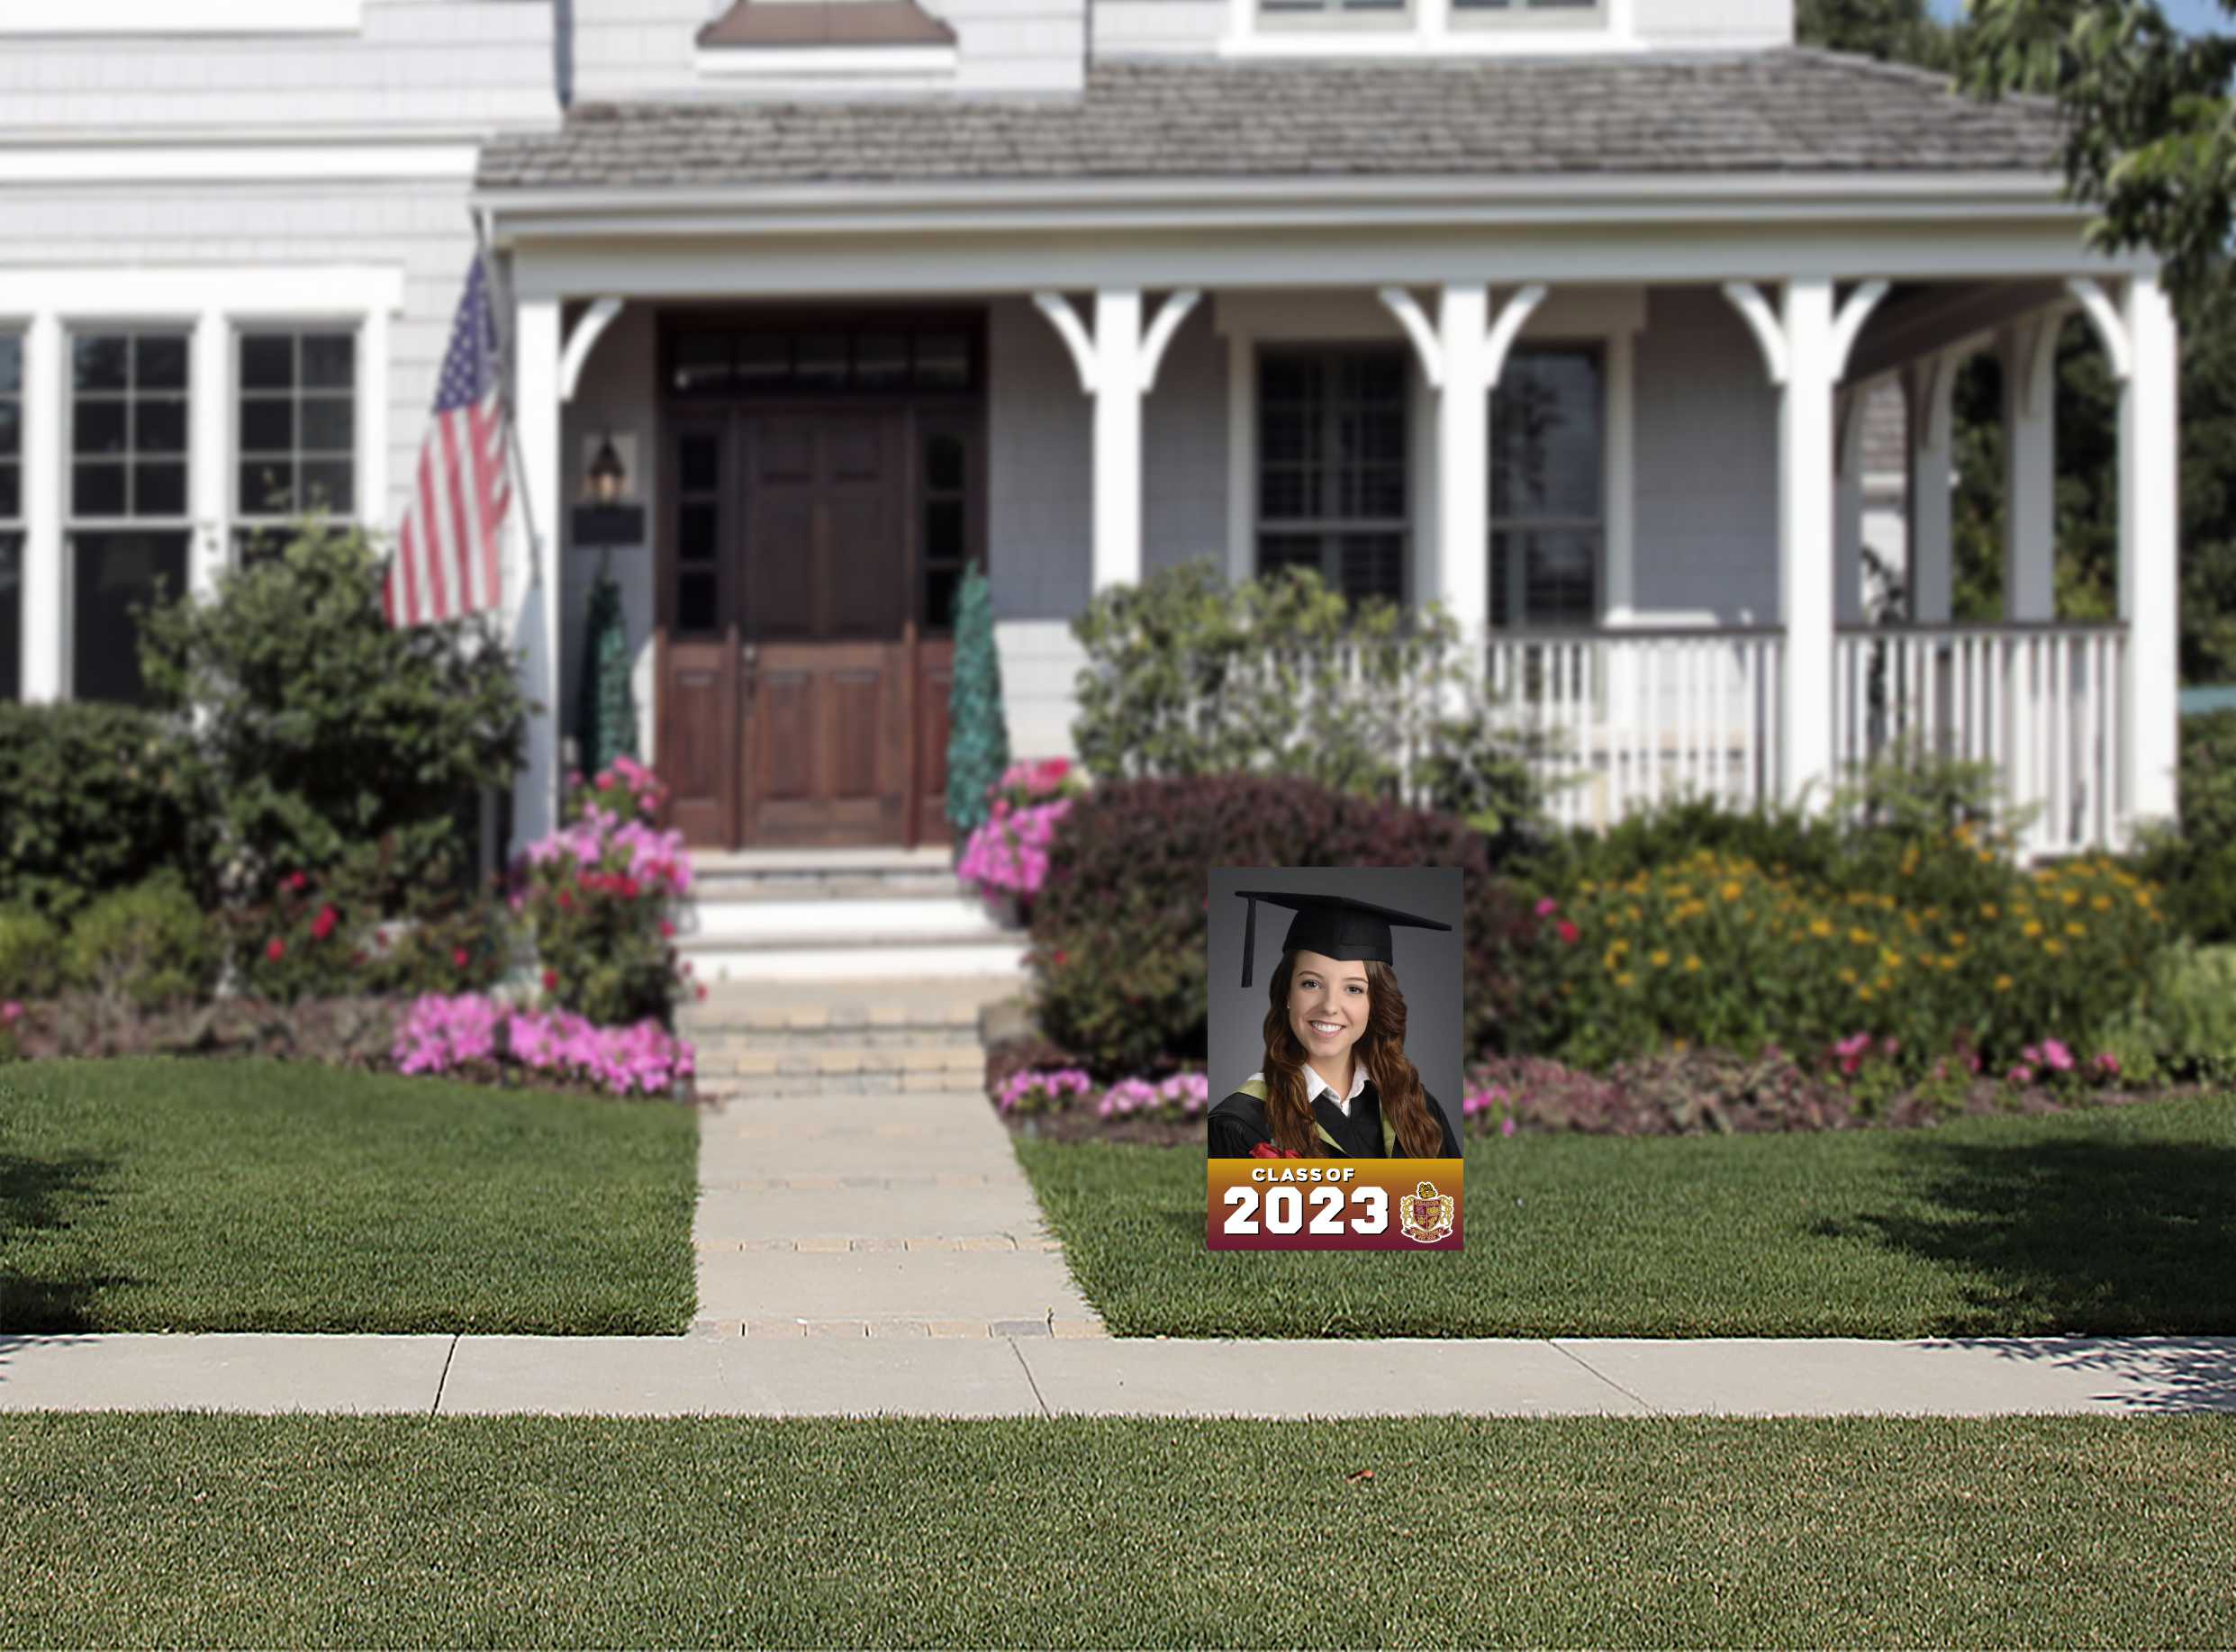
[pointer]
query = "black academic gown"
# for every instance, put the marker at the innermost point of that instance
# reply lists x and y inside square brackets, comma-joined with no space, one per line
[1237,1124]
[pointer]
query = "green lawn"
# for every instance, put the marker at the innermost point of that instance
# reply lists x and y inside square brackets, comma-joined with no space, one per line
[169,1195]
[2111,1219]
[195,1531]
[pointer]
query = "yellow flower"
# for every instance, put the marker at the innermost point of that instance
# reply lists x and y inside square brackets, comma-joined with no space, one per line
[1822,926]
[1862,937]
[1864,993]
[1989,911]
[2072,897]
[2103,903]
[2142,898]
[1948,961]
[2003,983]
[1732,891]
[1692,960]
[1956,937]
[2030,929]
[1625,980]
[1658,958]
[2053,947]
[1849,976]
[1586,887]
[1680,1045]
[1619,945]
[1985,855]
[1890,958]
[2077,929]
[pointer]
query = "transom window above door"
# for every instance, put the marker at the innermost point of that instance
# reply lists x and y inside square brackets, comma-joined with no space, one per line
[807,359]
[1332,471]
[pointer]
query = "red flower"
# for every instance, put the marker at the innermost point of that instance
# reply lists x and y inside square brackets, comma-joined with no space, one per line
[1266,1150]
[628,888]
[605,783]
[1568,932]
[460,957]
[551,980]
[1062,956]
[702,992]
[297,881]
[567,901]
[275,949]
[323,924]
[667,929]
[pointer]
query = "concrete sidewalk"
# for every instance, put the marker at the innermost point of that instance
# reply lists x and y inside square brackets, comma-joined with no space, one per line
[1040,1375]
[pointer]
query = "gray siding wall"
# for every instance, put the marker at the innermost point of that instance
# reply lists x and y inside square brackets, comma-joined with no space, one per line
[425,64]
[643,49]
[1706,461]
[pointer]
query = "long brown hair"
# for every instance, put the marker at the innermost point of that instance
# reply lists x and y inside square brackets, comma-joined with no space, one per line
[1381,1047]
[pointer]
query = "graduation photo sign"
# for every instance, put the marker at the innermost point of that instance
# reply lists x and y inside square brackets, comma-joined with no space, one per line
[1334,1044]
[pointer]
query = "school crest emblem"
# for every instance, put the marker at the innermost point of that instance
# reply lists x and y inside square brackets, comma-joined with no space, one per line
[1425,1215]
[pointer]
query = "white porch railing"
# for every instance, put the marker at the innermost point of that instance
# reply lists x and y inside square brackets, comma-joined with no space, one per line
[1637,717]
[2041,702]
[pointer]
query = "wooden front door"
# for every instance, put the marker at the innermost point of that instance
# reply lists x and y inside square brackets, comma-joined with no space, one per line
[825,628]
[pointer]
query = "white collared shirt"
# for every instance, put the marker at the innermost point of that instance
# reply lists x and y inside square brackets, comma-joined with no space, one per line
[1314,1083]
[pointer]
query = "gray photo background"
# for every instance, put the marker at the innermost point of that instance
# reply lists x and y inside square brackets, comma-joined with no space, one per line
[1430,965]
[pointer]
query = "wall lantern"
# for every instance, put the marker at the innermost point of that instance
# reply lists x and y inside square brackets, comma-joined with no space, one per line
[607,516]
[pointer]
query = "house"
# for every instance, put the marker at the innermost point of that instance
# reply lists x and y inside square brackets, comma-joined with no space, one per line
[1564,313]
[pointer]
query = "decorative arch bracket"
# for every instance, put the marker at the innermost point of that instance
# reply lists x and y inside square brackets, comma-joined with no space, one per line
[2104,317]
[1762,321]
[1074,332]
[600,315]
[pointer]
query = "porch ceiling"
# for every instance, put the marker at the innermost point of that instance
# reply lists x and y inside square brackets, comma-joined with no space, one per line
[1788,111]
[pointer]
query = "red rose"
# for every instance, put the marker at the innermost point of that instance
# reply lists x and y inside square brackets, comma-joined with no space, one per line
[297,881]
[567,901]
[323,924]
[275,949]
[460,958]
[667,929]
[628,888]
[1568,932]
[551,980]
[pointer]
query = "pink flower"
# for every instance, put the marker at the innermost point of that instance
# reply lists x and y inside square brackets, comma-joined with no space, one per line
[605,783]
[1547,907]
[2057,1055]
[2021,1075]
[323,924]
[459,957]
[298,882]
[1506,1127]
[275,949]
[2107,1062]
[11,1013]
[1568,932]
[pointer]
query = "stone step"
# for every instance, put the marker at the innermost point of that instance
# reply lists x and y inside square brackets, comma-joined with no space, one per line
[775,921]
[791,1086]
[818,956]
[713,1059]
[719,1042]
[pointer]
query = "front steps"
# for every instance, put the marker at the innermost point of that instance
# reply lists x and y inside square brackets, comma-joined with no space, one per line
[840,914]
[842,1038]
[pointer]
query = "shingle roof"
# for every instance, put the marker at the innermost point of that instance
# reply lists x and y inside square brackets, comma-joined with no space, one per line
[1781,109]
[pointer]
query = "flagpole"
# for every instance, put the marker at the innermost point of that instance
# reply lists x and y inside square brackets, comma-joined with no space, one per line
[498,316]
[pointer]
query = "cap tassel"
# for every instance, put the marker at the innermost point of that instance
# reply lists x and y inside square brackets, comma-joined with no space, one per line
[1249,937]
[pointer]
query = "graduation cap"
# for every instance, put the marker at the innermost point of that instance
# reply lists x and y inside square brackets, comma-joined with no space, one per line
[1333,926]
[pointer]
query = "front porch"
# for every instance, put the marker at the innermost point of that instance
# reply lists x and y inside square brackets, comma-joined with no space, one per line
[1704,522]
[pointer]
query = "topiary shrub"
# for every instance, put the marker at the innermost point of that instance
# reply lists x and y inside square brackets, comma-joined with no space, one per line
[605,709]
[143,947]
[30,954]
[320,729]
[93,798]
[978,737]
[1120,928]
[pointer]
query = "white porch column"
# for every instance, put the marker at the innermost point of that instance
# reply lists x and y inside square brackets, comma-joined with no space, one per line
[2150,568]
[1117,437]
[46,655]
[207,550]
[1805,529]
[1847,411]
[1463,457]
[1928,386]
[536,578]
[2030,466]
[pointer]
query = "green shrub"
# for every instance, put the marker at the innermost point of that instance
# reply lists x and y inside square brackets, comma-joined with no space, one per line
[321,727]
[1120,924]
[30,954]
[2182,1026]
[2196,861]
[93,798]
[144,946]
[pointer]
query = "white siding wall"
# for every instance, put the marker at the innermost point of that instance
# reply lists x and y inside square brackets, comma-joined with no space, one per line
[414,64]
[1144,27]
[643,49]
[1707,459]
[1716,23]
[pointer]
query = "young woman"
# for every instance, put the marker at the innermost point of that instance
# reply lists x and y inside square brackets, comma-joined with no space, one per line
[1335,1078]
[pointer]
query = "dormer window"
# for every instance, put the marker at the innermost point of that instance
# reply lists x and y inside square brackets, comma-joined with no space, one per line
[1300,27]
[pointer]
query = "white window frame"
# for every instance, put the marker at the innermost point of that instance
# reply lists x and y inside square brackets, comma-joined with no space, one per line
[237,514]
[181,17]
[211,301]
[1427,27]
[12,328]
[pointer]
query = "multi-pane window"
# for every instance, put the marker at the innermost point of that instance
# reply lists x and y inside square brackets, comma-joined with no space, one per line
[295,443]
[811,360]
[944,495]
[10,516]
[1554,14]
[127,522]
[1332,492]
[1547,518]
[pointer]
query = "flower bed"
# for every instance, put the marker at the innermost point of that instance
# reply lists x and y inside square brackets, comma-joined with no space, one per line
[1008,853]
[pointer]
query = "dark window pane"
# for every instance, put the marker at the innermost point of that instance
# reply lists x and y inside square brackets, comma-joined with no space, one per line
[1374,565]
[764,361]
[159,488]
[115,571]
[1279,551]
[700,464]
[880,360]
[267,424]
[11,428]
[1378,377]
[329,484]
[943,530]
[330,361]
[701,363]
[1545,437]
[1371,490]
[267,487]
[160,362]
[694,603]
[11,489]
[268,361]
[99,361]
[696,542]
[943,461]
[1287,434]
[158,425]
[11,363]
[11,616]
[329,424]
[1545,577]
[942,360]
[940,586]
[1285,494]
[1286,378]
[96,490]
[97,427]
[822,360]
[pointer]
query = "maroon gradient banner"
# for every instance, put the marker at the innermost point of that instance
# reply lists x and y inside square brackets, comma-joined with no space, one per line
[1333,1204]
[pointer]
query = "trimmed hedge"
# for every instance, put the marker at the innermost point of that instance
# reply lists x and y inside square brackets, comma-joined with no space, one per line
[93,798]
[1120,925]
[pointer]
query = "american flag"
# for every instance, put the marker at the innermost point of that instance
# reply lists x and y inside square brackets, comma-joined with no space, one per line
[445,559]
